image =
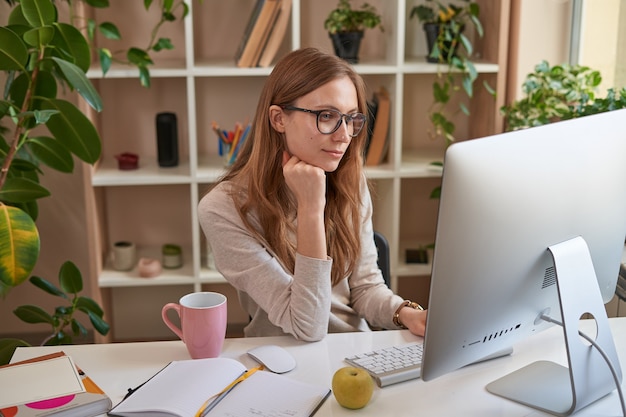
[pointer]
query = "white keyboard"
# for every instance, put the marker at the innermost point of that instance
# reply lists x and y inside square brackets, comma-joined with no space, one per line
[391,365]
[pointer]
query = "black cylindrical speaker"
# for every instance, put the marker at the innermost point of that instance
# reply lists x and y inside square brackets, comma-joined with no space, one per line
[167,139]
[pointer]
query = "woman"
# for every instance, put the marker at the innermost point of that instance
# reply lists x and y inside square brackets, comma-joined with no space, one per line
[290,224]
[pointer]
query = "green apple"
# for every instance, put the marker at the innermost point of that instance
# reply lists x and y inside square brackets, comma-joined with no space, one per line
[353,387]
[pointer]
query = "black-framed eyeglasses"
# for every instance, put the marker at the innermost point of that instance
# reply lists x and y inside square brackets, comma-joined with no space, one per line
[329,120]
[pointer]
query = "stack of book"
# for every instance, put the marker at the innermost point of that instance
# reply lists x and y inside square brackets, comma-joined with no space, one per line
[50,385]
[264,33]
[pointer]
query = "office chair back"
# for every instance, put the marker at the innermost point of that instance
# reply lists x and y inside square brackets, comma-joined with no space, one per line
[382,245]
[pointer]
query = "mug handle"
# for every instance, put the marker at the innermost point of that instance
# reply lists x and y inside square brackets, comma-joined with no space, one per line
[166,320]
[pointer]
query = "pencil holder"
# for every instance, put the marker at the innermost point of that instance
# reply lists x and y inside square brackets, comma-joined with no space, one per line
[227,156]
[124,255]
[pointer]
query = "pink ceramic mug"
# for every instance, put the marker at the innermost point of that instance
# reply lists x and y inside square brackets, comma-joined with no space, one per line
[203,322]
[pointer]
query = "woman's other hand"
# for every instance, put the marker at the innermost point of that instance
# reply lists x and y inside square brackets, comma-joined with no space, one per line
[414,320]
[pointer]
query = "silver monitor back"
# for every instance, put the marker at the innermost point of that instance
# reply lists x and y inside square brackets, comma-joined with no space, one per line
[505,199]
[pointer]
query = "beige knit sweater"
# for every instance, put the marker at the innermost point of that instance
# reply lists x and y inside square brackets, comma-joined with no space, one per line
[301,303]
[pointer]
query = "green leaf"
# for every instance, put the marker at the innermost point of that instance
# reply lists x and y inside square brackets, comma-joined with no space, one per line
[489,89]
[479,27]
[19,245]
[17,17]
[138,57]
[86,305]
[74,130]
[78,328]
[77,79]
[73,45]
[39,13]
[42,116]
[46,86]
[169,17]
[30,207]
[466,44]
[144,76]
[24,166]
[99,324]
[39,37]
[47,286]
[110,31]
[468,86]
[464,109]
[440,93]
[49,151]
[7,348]
[70,278]
[33,314]
[163,43]
[105,59]
[186,9]
[13,52]
[91,29]
[20,190]
[98,3]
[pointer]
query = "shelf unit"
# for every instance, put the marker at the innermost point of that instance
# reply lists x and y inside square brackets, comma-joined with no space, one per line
[199,81]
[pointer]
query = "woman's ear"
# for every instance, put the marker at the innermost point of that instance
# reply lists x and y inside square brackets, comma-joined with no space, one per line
[277,118]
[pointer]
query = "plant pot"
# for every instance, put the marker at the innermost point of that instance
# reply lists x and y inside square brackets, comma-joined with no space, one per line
[432,32]
[347,44]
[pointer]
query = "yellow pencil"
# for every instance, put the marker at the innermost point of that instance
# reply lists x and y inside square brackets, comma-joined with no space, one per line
[212,401]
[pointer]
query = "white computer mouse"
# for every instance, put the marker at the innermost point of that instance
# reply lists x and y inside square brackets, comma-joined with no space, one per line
[275,358]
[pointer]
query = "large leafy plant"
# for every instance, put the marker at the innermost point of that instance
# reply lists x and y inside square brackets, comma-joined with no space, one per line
[42,59]
[560,92]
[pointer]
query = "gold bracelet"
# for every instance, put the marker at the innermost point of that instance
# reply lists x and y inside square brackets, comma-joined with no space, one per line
[405,303]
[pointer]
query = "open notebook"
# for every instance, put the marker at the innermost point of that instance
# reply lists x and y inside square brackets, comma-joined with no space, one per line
[182,388]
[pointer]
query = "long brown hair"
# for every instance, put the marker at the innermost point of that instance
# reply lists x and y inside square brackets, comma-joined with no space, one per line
[258,169]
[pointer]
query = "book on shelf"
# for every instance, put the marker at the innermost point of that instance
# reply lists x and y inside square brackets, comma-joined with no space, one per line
[249,26]
[50,385]
[379,143]
[220,386]
[277,34]
[259,32]
[372,107]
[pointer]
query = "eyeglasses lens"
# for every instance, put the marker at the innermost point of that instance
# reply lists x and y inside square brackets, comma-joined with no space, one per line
[329,121]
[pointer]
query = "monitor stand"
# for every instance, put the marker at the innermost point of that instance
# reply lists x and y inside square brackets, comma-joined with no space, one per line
[553,388]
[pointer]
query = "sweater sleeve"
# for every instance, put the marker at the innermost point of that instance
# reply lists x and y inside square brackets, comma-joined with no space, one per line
[370,296]
[298,302]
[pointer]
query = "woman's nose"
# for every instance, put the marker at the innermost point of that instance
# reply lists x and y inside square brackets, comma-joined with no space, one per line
[343,132]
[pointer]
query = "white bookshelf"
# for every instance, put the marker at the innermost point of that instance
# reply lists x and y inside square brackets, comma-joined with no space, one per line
[199,81]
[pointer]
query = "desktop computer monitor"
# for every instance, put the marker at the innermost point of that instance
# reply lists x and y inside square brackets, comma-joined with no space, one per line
[505,201]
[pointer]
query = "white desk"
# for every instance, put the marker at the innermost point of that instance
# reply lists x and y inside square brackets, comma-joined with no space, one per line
[119,366]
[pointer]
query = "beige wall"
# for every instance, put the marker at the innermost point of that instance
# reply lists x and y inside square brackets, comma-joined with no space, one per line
[604,24]
[540,30]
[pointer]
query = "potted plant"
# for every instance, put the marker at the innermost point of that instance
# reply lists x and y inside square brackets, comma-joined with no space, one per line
[40,57]
[452,50]
[559,92]
[346,27]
